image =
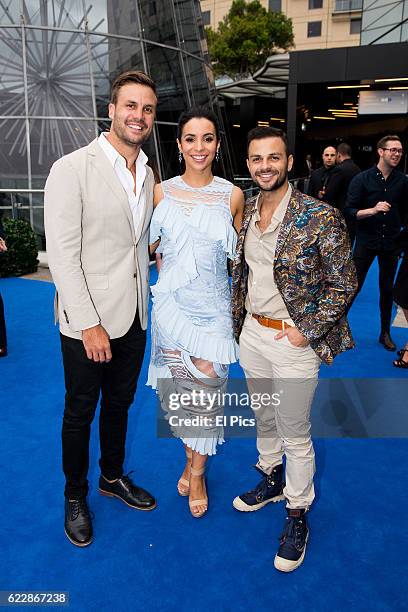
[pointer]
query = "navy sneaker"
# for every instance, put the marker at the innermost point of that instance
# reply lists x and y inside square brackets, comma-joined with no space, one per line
[292,541]
[270,489]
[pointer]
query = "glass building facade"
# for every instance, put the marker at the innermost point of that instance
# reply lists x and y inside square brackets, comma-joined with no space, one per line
[57,61]
[384,22]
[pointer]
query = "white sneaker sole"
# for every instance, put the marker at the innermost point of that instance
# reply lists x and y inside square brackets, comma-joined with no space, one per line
[286,565]
[240,505]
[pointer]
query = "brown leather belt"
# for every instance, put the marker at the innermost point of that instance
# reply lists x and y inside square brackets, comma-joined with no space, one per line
[274,323]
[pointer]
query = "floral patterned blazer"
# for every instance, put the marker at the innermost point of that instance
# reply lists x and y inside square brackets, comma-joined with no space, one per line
[313,271]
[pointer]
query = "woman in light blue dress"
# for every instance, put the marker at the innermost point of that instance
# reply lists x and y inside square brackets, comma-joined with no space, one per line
[192,339]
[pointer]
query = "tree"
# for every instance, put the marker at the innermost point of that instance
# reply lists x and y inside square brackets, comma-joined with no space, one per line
[246,37]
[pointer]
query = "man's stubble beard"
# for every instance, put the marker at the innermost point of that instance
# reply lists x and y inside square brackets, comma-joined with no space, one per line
[120,134]
[277,185]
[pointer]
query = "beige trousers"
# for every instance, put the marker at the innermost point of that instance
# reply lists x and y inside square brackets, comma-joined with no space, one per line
[288,375]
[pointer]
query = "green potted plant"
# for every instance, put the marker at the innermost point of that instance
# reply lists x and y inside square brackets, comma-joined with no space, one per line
[21,255]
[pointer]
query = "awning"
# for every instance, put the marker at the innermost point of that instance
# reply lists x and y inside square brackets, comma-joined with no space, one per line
[270,80]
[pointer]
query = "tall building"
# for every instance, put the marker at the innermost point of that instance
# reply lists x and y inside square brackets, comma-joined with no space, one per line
[57,61]
[313,92]
[317,24]
[384,22]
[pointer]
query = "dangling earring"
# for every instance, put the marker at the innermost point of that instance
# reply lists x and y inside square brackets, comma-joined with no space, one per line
[180,157]
[217,156]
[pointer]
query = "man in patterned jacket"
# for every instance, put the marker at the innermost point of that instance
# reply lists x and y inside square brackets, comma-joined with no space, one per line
[293,279]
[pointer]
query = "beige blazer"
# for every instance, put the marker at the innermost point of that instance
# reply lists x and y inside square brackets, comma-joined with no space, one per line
[99,266]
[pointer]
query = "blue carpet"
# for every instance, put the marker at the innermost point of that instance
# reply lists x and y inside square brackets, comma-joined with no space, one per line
[166,560]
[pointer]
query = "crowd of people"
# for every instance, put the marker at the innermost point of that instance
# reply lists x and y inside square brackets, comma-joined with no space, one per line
[294,279]
[375,207]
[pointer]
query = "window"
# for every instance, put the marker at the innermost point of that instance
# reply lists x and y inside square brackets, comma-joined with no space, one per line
[342,6]
[355,26]
[315,4]
[206,17]
[314,28]
[275,6]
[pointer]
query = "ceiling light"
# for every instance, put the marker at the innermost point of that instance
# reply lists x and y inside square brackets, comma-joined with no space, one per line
[329,118]
[346,86]
[389,80]
[398,88]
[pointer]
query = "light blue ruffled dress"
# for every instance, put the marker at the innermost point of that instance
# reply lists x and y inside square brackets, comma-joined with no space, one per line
[191,313]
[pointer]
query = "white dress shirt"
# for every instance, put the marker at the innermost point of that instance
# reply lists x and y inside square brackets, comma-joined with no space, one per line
[134,192]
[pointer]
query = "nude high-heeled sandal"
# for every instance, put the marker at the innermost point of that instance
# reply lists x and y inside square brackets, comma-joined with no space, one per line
[183,485]
[198,502]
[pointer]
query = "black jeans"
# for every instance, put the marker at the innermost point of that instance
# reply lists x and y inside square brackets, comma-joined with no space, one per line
[85,380]
[3,335]
[387,261]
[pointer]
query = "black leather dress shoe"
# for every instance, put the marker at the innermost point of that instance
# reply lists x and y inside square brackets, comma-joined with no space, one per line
[128,492]
[3,351]
[386,340]
[78,524]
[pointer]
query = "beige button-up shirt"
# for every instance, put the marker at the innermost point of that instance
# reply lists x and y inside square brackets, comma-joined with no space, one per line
[263,297]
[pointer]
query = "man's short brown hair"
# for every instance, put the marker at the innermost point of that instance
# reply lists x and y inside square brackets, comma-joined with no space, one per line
[382,143]
[131,76]
[344,149]
[261,132]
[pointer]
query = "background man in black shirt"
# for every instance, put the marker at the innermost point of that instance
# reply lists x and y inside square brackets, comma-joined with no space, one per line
[338,185]
[378,199]
[320,177]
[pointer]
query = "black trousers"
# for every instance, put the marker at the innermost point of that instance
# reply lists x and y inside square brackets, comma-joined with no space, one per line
[387,261]
[85,381]
[3,335]
[401,284]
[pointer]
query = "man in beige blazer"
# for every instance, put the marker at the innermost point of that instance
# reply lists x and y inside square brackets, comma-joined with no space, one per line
[98,205]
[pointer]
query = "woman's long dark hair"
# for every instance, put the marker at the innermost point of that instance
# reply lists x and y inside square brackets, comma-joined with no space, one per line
[198,112]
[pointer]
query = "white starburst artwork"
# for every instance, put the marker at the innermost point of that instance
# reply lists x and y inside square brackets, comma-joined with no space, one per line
[50,50]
